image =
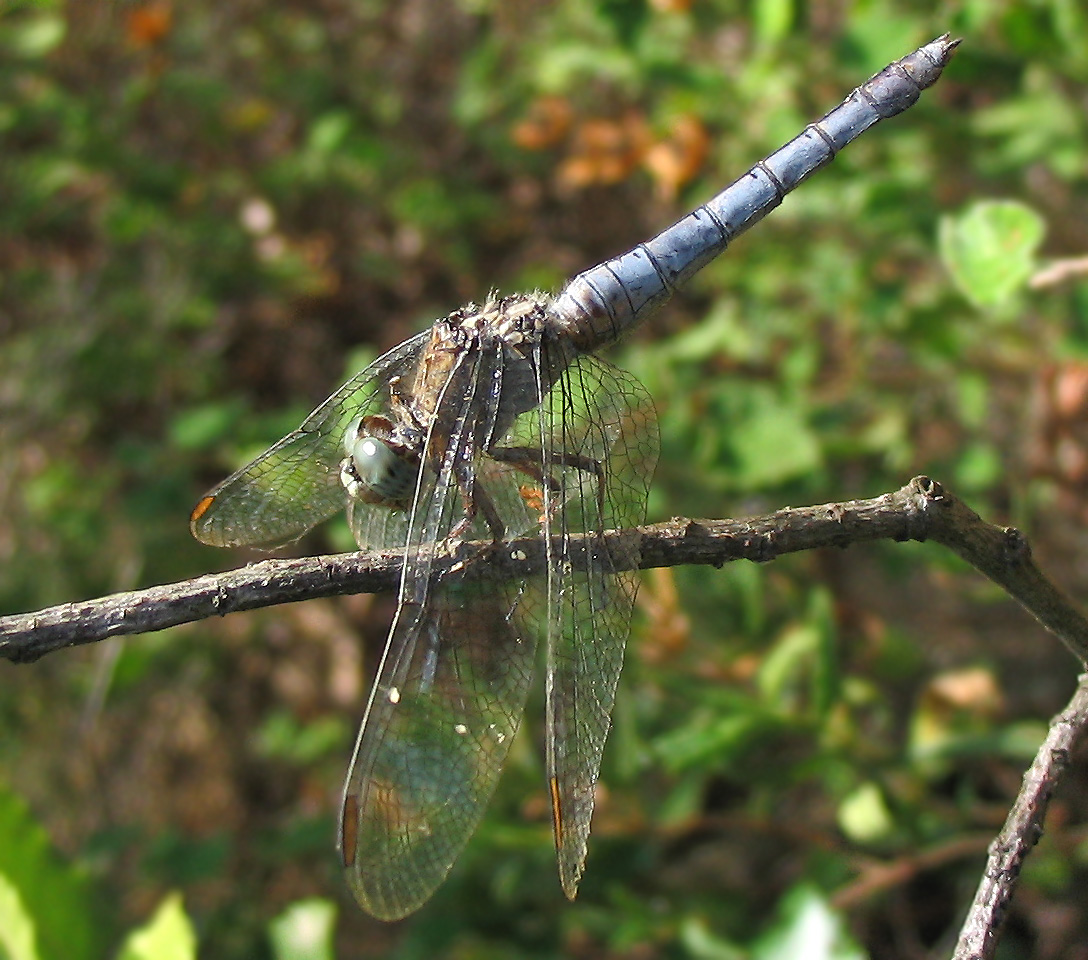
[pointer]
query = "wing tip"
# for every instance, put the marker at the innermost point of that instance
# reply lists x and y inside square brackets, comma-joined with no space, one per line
[198,514]
[572,862]
[569,880]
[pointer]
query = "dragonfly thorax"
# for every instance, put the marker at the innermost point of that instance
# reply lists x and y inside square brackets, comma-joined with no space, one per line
[377,469]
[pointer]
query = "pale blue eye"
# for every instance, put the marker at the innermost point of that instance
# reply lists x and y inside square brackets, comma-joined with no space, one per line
[374,462]
[372,471]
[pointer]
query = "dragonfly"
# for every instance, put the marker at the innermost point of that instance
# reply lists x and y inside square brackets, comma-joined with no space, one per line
[500,422]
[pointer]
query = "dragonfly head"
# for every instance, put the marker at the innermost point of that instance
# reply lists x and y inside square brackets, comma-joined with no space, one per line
[379,467]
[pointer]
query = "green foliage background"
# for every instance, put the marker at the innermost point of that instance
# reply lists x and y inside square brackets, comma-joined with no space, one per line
[214,213]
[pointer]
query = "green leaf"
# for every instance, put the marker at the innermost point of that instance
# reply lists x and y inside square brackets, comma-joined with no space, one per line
[202,425]
[772,20]
[773,443]
[989,249]
[38,36]
[800,673]
[283,737]
[979,467]
[787,663]
[56,898]
[304,931]
[864,816]
[168,936]
[808,930]
[329,131]
[701,943]
[17,937]
[718,739]
[878,32]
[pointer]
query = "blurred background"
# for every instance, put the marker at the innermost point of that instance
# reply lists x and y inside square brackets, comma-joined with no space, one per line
[212,214]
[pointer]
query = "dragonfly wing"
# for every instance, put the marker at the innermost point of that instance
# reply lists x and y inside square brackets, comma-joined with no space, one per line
[441,719]
[295,484]
[448,697]
[598,412]
[585,657]
[376,526]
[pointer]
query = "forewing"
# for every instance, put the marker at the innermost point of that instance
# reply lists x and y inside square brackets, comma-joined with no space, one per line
[295,484]
[449,694]
[599,412]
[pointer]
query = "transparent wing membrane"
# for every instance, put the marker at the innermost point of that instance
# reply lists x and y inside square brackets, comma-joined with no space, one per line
[295,484]
[441,719]
[601,413]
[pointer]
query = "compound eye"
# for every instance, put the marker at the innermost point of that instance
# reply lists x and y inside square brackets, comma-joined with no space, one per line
[374,461]
[378,474]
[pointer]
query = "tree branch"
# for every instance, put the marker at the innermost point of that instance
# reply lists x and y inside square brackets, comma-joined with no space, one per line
[920,510]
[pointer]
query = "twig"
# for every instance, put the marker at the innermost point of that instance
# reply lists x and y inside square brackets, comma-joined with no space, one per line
[1058,272]
[1022,830]
[881,876]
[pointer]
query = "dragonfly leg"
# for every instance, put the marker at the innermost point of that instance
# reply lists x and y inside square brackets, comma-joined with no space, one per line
[530,461]
[475,499]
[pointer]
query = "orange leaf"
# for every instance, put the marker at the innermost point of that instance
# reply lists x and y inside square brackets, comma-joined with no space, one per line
[676,160]
[547,123]
[604,151]
[146,26]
